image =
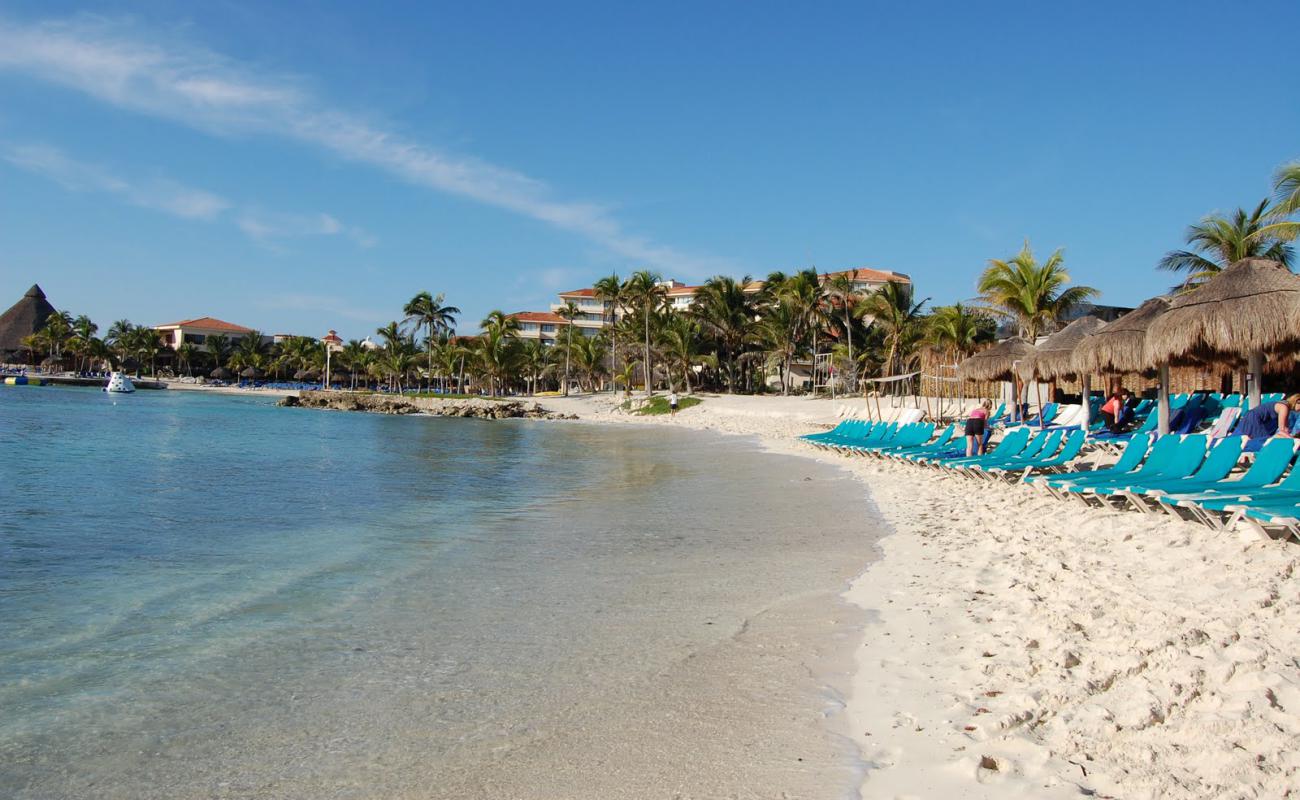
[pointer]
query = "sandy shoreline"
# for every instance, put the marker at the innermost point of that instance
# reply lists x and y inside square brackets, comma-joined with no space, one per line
[1024,647]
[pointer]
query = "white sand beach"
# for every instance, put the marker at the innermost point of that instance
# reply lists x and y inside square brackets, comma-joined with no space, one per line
[1025,647]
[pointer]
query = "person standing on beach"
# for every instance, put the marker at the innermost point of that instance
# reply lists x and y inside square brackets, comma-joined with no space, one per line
[976,423]
[672,402]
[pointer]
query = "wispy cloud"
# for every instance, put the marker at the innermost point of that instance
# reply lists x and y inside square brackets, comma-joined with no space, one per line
[170,197]
[156,193]
[115,63]
[267,226]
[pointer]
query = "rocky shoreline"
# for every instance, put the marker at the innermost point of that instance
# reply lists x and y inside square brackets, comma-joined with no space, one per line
[434,406]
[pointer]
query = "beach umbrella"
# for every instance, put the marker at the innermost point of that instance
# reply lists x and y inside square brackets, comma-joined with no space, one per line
[251,373]
[220,374]
[303,374]
[1246,310]
[998,363]
[1054,358]
[1120,348]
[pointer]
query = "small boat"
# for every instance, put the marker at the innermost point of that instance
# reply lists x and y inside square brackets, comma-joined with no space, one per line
[119,383]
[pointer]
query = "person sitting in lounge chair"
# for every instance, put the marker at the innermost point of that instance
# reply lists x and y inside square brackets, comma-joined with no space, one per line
[1267,420]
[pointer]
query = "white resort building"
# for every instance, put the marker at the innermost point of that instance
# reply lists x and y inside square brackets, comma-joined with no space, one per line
[594,313]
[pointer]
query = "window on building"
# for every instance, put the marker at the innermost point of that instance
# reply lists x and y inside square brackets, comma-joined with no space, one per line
[194,338]
[548,329]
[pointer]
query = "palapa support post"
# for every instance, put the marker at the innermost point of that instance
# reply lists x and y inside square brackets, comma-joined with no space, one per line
[1255,365]
[1086,388]
[1163,402]
[1038,390]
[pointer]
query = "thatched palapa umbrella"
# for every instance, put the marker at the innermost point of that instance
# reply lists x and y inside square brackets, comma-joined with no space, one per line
[1246,310]
[220,374]
[1054,358]
[1120,348]
[998,363]
[252,373]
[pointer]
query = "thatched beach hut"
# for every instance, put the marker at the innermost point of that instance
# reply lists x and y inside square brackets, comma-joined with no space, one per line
[23,318]
[220,374]
[1054,357]
[1118,348]
[998,363]
[1246,310]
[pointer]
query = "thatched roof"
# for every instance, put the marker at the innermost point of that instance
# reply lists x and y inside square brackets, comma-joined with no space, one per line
[1054,358]
[220,373]
[251,372]
[1117,348]
[997,362]
[1251,305]
[24,318]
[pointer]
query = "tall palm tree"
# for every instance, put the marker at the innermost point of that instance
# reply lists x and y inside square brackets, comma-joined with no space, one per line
[725,310]
[957,330]
[646,292]
[899,321]
[535,356]
[1286,186]
[185,355]
[567,312]
[497,348]
[842,291]
[609,291]
[427,310]
[589,357]
[680,340]
[353,355]
[1218,241]
[777,333]
[1034,295]
[391,334]
[217,346]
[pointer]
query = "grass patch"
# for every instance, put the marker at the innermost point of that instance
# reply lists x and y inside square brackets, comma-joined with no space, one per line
[658,405]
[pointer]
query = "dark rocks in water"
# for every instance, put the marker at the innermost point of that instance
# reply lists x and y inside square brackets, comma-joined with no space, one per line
[388,404]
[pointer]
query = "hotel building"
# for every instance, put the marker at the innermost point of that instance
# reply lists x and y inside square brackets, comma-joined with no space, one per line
[594,313]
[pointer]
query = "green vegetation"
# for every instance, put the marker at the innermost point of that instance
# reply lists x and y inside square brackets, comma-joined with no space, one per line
[653,406]
[736,335]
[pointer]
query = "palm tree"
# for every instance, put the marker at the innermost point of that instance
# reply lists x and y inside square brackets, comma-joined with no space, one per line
[391,334]
[589,356]
[535,356]
[83,332]
[218,346]
[427,310]
[567,312]
[957,331]
[1286,185]
[842,291]
[645,291]
[726,313]
[353,355]
[1218,241]
[680,340]
[777,333]
[609,291]
[1033,295]
[185,355]
[899,321]
[497,351]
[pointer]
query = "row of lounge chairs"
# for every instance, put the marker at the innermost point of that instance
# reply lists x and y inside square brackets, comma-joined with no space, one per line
[1190,475]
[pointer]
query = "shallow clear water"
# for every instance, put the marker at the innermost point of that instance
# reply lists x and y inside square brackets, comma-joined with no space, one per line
[209,596]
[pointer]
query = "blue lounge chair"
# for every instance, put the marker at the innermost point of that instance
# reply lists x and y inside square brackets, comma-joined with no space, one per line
[942,442]
[1041,444]
[1014,442]
[1185,456]
[905,436]
[1218,464]
[1155,451]
[1074,443]
[1270,464]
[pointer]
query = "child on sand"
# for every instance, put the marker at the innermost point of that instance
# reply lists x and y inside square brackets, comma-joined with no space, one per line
[976,422]
[672,402]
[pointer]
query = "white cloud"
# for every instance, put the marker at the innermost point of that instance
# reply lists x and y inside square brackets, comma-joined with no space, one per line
[156,193]
[114,63]
[168,196]
[265,226]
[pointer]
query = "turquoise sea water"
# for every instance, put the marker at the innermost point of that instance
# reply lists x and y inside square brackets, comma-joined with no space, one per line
[210,596]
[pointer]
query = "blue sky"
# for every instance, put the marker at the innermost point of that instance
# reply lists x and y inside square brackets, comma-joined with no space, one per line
[302,166]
